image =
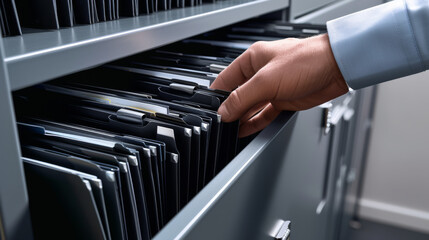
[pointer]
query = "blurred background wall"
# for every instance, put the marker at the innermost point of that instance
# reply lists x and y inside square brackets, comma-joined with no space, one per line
[396,183]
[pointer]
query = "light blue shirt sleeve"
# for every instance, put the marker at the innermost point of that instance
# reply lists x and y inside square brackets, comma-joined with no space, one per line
[381,43]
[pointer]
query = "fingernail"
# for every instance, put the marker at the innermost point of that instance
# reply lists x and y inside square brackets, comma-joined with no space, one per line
[223,112]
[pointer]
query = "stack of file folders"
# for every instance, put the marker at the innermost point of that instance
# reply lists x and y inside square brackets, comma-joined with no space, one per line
[115,152]
[53,14]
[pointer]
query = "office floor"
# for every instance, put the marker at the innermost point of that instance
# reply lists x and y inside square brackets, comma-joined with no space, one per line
[376,231]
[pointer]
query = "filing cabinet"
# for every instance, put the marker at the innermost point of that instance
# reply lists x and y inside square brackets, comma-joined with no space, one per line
[289,172]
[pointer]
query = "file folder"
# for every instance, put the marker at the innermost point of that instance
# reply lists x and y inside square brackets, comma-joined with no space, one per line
[62,203]
[79,164]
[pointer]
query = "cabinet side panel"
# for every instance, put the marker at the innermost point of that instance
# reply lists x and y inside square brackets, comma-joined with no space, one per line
[14,210]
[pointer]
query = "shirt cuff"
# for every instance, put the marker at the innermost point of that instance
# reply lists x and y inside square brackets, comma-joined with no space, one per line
[375,45]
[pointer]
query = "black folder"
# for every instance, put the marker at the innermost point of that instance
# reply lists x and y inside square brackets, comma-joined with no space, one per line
[39,14]
[65,13]
[144,7]
[105,205]
[82,11]
[62,203]
[10,24]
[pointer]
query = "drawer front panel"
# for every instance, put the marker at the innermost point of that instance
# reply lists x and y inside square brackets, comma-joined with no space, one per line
[301,192]
[240,213]
[234,204]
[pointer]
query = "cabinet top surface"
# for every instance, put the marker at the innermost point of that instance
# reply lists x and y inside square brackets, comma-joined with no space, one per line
[34,57]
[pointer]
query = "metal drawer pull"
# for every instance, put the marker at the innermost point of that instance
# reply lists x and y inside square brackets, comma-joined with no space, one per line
[332,115]
[327,116]
[284,231]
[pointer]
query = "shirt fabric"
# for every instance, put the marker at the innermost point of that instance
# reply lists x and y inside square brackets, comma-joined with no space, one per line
[381,43]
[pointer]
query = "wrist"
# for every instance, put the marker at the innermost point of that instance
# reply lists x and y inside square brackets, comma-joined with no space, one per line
[335,73]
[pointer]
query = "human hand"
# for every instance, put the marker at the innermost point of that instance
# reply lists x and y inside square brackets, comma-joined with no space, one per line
[289,74]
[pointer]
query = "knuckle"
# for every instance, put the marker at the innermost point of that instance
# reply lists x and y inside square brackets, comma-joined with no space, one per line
[258,46]
[257,55]
[291,39]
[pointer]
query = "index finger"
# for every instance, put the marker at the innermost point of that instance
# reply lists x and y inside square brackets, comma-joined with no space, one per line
[238,72]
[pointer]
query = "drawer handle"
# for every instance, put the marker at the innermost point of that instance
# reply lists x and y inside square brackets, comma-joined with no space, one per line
[327,117]
[332,115]
[284,231]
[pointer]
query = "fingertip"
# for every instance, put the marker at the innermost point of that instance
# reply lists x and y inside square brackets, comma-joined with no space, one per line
[221,83]
[216,83]
[223,112]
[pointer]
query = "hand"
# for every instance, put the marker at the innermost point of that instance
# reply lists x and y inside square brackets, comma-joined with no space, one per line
[290,74]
